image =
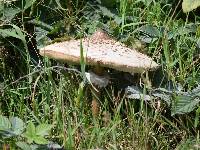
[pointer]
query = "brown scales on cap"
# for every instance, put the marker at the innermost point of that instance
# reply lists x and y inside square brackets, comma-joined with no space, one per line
[100,36]
[101,50]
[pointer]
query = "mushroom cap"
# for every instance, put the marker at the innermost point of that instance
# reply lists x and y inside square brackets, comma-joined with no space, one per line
[102,50]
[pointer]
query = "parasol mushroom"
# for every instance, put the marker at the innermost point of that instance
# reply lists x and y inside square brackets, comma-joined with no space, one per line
[101,51]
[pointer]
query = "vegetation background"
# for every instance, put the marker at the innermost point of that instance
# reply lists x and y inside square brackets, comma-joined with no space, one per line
[43,102]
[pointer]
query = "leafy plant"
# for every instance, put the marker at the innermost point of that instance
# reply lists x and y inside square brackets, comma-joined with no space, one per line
[15,32]
[186,102]
[36,134]
[25,146]
[13,128]
[53,95]
[189,5]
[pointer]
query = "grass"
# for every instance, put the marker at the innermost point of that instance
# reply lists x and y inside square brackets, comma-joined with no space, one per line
[54,94]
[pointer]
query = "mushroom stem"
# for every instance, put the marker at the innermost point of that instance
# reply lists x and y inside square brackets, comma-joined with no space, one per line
[95,105]
[96,92]
[98,70]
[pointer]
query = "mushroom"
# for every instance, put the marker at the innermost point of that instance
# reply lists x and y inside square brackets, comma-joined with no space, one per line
[101,51]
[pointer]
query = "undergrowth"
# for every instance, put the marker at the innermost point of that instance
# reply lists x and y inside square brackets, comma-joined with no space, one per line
[51,103]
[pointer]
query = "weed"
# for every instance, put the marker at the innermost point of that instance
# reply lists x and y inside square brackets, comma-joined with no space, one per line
[48,95]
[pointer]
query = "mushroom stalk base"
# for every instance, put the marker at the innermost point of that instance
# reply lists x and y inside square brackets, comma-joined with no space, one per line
[96,92]
[95,105]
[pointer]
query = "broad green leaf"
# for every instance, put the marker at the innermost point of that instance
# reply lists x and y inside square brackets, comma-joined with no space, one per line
[43,129]
[30,128]
[9,13]
[189,5]
[40,140]
[151,30]
[15,32]
[106,12]
[184,104]
[23,146]
[29,3]
[30,139]
[4,123]
[17,125]
[30,132]
[9,33]
[19,33]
